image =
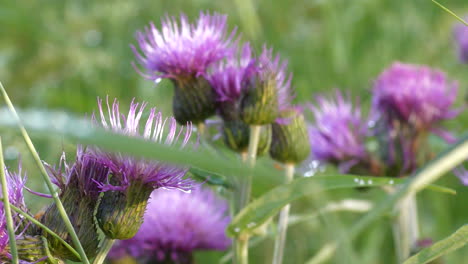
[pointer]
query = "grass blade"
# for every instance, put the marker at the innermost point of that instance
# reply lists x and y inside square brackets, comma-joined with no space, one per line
[443,247]
[6,207]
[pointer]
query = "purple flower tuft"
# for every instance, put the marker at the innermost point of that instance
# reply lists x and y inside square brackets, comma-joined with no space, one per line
[414,95]
[339,132]
[183,49]
[270,66]
[86,174]
[16,182]
[230,77]
[461,40]
[178,223]
[126,169]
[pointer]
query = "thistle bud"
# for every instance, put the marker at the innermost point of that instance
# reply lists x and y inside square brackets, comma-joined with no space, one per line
[290,141]
[31,248]
[268,91]
[120,213]
[236,136]
[79,193]
[194,100]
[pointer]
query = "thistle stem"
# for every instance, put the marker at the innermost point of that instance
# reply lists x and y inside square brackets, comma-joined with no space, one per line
[6,204]
[106,246]
[405,228]
[45,176]
[283,221]
[242,243]
[242,251]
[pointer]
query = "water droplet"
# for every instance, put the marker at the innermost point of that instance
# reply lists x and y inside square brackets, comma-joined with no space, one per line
[237,230]
[391,182]
[157,80]
[369,181]
[251,224]
[356,180]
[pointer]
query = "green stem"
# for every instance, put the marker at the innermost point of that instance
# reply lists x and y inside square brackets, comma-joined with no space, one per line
[405,227]
[106,246]
[242,244]
[45,228]
[6,204]
[283,222]
[46,178]
[242,251]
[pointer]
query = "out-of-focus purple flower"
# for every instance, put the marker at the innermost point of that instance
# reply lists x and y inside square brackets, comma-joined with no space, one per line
[178,223]
[414,95]
[271,67]
[230,77]
[461,40]
[127,169]
[462,174]
[183,49]
[16,183]
[339,132]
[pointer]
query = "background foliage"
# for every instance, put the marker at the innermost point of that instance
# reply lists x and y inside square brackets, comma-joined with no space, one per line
[61,55]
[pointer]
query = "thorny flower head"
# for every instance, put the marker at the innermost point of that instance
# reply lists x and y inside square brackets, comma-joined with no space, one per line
[126,169]
[231,76]
[178,223]
[181,48]
[417,96]
[339,132]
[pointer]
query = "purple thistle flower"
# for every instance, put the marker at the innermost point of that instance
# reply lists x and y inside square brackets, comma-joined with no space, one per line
[417,96]
[270,66]
[462,174]
[461,40]
[85,175]
[16,182]
[231,77]
[339,132]
[178,223]
[126,169]
[183,49]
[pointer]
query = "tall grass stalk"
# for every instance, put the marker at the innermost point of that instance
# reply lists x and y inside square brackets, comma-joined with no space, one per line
[45,176]
[6,206]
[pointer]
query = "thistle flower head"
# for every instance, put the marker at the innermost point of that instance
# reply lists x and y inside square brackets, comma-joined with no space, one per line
[339,131]
[126,169]
[271,67]
[231,76]
[178,223]
[417,96]
[269,92]
[15,184]
[461,40]
[183,49]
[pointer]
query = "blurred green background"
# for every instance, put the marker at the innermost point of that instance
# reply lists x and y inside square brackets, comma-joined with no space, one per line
[61,55]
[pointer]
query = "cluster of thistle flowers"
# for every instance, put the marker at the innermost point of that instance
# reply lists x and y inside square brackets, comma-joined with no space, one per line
[409,103]
[111,191]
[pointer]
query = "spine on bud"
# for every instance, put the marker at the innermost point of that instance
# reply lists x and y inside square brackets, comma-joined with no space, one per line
[260,103]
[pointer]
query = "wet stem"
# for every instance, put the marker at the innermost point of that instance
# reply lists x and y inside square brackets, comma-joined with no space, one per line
[45,176]
[283,221]
[242,243]
[6,204]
